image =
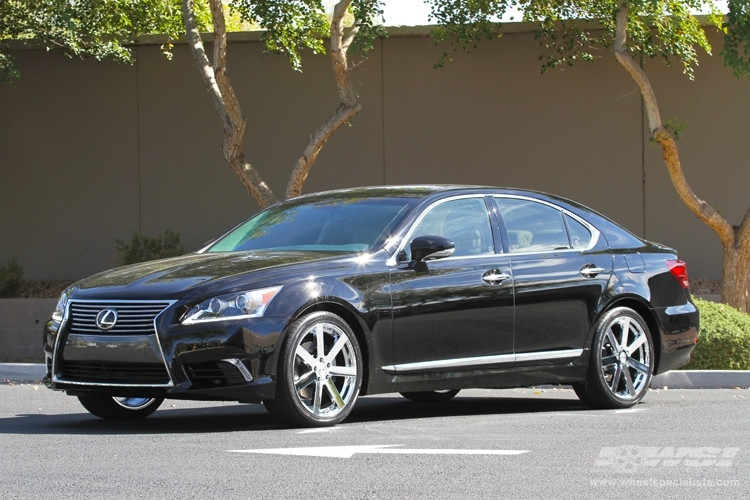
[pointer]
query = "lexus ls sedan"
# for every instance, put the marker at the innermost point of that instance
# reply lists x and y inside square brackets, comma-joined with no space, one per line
[421,290]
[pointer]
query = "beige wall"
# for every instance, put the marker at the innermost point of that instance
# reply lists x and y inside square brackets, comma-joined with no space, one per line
[91,151]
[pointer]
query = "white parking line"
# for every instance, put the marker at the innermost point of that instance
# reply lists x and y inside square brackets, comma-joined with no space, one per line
[383,449]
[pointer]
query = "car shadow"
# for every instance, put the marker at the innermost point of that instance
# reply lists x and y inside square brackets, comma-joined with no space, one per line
[242,417]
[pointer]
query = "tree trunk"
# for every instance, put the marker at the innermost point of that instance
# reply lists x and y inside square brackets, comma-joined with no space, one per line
[222,94]
[736,241]
[346,110]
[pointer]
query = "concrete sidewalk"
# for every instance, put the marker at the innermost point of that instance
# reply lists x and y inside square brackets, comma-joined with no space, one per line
[677,379]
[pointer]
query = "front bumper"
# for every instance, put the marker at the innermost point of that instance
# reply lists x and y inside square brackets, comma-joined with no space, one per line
[225,360]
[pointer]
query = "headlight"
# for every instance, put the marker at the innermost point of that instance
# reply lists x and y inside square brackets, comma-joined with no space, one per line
[238,305]
[61,306]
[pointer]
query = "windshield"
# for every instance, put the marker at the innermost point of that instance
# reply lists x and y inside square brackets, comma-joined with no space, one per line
[327,224]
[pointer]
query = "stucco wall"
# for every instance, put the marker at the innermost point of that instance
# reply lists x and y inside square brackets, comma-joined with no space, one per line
[91,151]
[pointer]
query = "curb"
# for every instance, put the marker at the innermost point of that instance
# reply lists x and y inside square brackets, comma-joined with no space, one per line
[677,379]
[22,372]
[702,379]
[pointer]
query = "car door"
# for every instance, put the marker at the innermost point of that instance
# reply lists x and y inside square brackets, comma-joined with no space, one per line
[561,267]
[461,308]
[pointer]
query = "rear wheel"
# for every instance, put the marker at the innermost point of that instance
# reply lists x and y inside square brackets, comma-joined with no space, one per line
[431,396]
[622,361]
[319,372]
[117,408]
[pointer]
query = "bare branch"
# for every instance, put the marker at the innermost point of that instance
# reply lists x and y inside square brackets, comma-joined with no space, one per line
[349,38]
[346,110]
[201,59]
[743,233]
[626,60]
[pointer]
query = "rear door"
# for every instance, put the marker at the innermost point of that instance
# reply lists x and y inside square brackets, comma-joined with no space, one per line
[561,267]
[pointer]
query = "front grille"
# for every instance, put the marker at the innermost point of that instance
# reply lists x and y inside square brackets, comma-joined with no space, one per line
[114,373]
[134,317]
[218,374]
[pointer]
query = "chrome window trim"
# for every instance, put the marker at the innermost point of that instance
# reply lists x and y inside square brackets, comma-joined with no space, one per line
[595,234]
[61,333]
[482,360]
[402,244]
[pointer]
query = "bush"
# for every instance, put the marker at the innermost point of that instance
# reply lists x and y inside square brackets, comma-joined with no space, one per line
[144,248]
[724,338]
[11,278]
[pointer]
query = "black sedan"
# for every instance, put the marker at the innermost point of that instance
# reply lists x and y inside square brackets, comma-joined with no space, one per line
[422,290]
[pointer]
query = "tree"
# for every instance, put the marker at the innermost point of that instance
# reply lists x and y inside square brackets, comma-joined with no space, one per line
[633,29]
[86,28]
[291,26]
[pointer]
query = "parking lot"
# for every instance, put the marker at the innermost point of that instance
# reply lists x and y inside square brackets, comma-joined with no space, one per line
[521,443]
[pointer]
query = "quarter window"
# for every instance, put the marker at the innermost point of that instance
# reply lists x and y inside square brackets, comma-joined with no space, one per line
[533,226]
[580,236]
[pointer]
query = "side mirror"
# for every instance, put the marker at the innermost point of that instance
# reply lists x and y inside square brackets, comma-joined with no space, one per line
[431,247]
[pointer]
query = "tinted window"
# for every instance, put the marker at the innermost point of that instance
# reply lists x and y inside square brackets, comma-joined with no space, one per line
[580,236]
[336,225]
[465,221]
[532,226]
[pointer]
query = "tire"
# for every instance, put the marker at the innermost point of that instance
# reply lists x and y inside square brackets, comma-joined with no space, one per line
[621,363]
[113,408]
[431,396]
[319,373]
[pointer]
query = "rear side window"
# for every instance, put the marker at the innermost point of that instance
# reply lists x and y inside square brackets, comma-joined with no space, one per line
[533,226]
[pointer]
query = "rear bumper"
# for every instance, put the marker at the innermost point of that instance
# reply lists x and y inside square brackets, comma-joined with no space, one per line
[679,333]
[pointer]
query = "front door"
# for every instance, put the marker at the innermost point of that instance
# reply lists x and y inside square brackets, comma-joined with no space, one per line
[461,308]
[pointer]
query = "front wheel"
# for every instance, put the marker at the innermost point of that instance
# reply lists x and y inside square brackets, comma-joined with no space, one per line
[621,363]
[114,408]
[431,396]
[319,374]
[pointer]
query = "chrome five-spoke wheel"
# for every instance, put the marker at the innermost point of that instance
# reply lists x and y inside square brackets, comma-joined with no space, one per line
[319,374]
[622,361]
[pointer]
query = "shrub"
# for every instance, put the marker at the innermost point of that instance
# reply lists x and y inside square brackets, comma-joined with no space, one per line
[724,338]
[143,248]
[11,278]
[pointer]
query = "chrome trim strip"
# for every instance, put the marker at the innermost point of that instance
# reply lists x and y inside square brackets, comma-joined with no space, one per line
[544,355]
[61,330]
[241,367]
[482,360]
[451,363]
[392,260]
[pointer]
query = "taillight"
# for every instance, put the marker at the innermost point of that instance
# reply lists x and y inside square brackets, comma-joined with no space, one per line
[679,269]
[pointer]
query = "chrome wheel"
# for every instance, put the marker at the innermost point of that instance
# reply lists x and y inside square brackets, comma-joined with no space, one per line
[325,369]
[120,408]
[134,403]
[439,396]
[319,374]
[621,362]
[625,358]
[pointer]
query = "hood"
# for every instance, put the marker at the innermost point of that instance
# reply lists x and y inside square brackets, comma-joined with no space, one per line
[189,275]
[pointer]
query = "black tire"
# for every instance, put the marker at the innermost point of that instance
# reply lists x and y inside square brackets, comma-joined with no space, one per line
[431,396]
[621,363]
[111,408]
[314,388]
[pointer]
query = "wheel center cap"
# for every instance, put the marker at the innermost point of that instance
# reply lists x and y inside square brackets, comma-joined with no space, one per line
[321,371]
[623,357]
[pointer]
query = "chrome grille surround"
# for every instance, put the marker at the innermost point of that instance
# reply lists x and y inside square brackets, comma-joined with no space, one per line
[64,329]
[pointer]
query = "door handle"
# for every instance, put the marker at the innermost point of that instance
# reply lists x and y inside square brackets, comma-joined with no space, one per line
[591,271]
[495,277]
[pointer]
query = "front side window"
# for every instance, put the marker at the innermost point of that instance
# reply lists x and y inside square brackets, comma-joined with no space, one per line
[532,226]
[464,221]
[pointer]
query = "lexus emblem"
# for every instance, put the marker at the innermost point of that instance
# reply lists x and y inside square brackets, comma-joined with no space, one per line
[106,319]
